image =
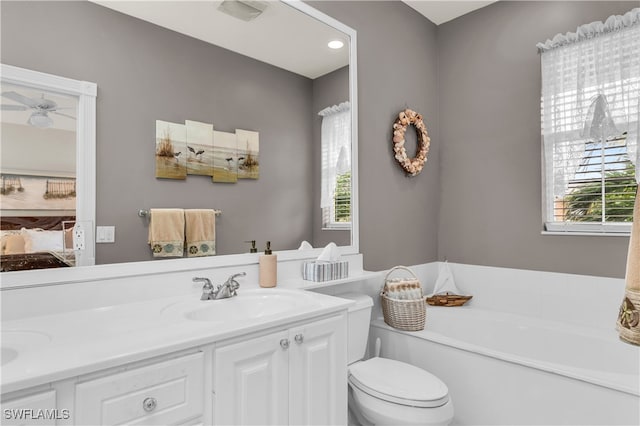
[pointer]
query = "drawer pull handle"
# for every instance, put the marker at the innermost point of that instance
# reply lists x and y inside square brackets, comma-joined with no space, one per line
[299,338]
[284,343]
[149,404]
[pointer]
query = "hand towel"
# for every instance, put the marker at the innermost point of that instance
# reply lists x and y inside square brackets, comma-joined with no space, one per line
[629,315]
[633,259]
[200,232]
[166,232]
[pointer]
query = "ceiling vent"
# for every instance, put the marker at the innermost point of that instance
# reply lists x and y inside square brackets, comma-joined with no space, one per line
[246,10]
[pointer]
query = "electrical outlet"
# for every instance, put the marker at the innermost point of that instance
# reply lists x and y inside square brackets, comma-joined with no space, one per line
[78,237]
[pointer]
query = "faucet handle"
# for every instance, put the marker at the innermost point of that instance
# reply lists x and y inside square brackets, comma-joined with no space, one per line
[206,281]
[239,274]
[207,288]
[232,284]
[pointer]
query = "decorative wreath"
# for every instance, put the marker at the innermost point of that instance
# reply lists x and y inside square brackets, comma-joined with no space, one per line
[412,166]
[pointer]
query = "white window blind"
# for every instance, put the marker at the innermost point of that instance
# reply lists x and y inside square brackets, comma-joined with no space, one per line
[590,124]
[336,166]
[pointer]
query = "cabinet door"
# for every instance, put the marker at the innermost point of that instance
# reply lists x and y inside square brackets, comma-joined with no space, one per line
[251,382]
[318,373]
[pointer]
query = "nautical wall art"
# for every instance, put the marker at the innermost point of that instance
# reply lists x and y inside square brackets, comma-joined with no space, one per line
[248,154]
[26,192]
[171,147]
[199,148]
[225,157]
[195,148]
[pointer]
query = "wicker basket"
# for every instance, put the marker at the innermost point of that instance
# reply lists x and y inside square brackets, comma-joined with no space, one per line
[408,315]
[628,323]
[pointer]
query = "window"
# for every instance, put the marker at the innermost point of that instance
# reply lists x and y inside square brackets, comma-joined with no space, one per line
[590,123]
[603,188]
[335,200]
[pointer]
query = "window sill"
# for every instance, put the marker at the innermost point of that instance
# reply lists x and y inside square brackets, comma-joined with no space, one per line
[337,228]
[586,234]
[588,229]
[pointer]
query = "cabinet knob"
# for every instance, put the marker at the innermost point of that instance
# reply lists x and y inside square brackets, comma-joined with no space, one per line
[299,338]
[149,404]
[284,343]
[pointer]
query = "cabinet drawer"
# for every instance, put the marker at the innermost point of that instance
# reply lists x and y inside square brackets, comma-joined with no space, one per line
[168,392]
[38,409]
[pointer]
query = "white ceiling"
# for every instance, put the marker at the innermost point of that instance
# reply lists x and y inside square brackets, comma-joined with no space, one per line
[440,12]
[281,35]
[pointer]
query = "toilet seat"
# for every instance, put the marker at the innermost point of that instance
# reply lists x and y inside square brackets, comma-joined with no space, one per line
[399,383]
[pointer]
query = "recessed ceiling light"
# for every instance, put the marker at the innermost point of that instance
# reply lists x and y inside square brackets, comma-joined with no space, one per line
[335,44]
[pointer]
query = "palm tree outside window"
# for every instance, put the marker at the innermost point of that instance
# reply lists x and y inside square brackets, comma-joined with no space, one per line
[335,200]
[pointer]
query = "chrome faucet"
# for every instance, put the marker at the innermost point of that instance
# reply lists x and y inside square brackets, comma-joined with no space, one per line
[232,285]
[208,293]
[224,291]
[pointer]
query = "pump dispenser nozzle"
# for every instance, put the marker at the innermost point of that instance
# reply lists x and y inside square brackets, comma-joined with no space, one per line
[268,249]
[253,248]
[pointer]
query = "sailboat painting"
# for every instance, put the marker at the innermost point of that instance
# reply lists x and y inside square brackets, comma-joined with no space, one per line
[248,154]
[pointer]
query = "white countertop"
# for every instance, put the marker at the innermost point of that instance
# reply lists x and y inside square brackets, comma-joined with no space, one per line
[297,283]
[61,346]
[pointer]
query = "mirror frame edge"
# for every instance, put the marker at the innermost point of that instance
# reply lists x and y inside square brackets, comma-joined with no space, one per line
[88,91]
[300,5]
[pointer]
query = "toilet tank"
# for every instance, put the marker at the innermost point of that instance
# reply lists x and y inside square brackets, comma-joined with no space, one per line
[359,319]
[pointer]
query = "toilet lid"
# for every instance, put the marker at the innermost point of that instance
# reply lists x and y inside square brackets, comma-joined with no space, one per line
[398,382]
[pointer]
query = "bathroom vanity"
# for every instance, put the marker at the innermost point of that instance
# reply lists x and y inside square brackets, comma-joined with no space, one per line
[267,356]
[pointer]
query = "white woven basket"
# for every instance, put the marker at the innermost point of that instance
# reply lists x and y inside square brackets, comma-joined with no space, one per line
[408,315]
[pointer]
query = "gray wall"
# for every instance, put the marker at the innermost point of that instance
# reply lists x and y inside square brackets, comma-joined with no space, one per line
[396,69]
[146,73]
[330,89]
[478,198]
[489,100]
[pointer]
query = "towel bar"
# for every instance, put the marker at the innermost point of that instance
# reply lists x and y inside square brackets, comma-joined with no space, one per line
[145,213]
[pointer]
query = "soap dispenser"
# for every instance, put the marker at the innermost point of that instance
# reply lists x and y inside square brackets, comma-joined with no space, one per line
[253,248]
[268,265]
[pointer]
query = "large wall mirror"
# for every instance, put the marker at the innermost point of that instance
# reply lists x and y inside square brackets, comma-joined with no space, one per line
[219,62]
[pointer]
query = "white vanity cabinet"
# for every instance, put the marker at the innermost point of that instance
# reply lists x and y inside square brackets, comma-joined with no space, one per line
[294,376]
[167,392]
[288,369]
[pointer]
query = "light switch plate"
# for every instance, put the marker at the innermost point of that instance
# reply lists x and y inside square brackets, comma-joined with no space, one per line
[105,234]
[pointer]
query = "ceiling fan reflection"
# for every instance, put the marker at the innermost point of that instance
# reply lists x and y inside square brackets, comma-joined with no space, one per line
[41,108]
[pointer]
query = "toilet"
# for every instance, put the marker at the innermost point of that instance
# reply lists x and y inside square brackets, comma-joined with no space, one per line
[388,392]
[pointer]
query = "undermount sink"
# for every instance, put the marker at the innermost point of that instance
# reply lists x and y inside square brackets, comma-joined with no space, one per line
[249,304]
[15,340]
[7,355]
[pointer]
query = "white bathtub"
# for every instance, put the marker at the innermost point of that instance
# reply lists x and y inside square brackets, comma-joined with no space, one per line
[503,368]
